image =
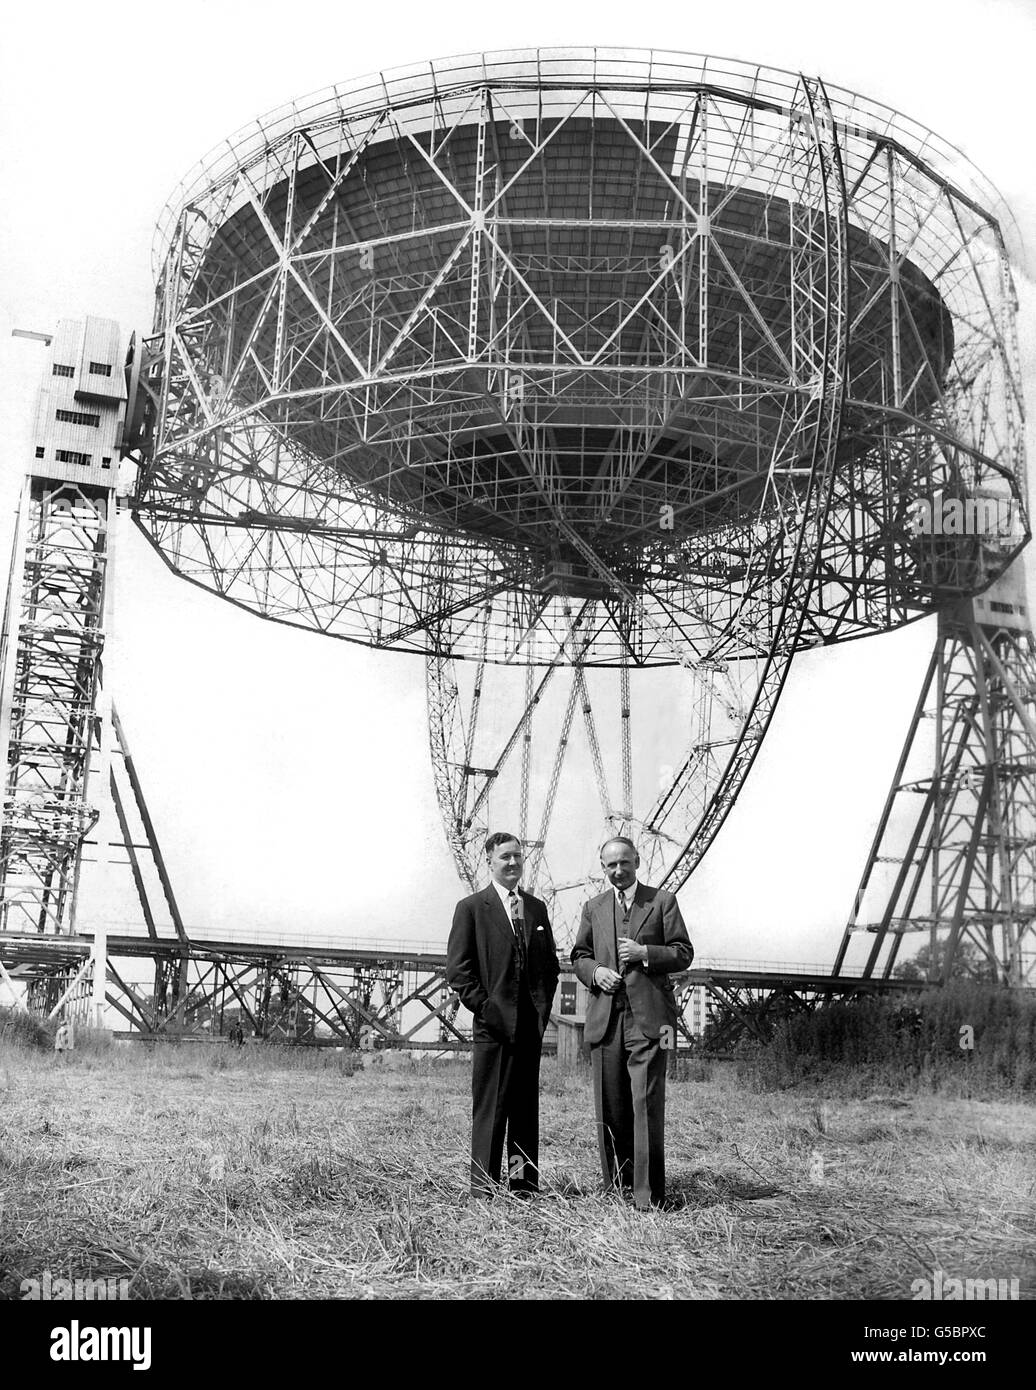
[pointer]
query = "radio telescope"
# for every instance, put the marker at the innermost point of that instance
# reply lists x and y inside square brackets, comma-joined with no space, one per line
[553,366]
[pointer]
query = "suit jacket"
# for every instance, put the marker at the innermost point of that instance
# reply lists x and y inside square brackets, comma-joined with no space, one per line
[482,966]
[655,922]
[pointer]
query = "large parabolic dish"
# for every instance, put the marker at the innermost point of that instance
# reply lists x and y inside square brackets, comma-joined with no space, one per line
[599,357]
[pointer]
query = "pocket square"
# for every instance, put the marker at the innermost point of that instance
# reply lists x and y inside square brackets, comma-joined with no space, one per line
[539,928]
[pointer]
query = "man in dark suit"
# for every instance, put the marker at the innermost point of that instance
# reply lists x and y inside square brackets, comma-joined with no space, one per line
[630,940]
[502,962]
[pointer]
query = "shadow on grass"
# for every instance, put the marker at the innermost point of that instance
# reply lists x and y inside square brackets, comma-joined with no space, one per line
[701,1188]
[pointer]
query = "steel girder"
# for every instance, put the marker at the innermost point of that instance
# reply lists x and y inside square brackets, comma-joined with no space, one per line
[358,999]
[749,1004]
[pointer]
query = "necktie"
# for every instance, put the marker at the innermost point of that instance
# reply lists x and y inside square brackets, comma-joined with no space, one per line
[518,927]
[624,908]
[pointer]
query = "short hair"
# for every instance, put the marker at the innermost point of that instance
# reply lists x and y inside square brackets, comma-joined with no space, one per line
[500,837]
[618,840]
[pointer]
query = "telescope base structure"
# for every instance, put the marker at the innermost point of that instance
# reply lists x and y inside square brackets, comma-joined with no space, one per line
[57,617]
[728,1004]
[54,633]
[365,996]
[967,876]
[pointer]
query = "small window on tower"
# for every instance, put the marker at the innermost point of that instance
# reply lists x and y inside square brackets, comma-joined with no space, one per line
[71,456]
[78,417]
[40,451]
[100,369]
[61,370]
[106,462]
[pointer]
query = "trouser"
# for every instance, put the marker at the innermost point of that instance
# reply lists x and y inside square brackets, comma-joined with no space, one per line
[505,1096]
[629,1101]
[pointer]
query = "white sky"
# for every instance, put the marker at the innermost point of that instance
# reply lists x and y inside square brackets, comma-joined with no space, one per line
[288,774]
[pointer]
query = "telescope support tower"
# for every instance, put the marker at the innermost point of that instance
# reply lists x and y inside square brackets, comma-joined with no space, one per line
[967,875]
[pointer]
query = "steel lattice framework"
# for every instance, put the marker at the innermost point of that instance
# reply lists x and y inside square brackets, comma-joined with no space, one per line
[954,854]
[450,345]
[576,359]
[53,642]
[367,995]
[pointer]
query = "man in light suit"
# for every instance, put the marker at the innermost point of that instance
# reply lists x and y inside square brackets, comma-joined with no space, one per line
[630,940]
[502,961]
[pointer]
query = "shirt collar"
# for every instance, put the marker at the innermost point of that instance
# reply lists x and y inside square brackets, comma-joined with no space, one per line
[505,893]
[631,891]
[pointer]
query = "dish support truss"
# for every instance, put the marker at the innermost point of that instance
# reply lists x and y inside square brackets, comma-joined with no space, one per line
[797,495]
[235,501]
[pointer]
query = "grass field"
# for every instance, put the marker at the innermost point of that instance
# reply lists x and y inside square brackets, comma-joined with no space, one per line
[211,1173]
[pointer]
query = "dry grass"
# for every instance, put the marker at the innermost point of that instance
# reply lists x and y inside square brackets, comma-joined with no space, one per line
[208,1173]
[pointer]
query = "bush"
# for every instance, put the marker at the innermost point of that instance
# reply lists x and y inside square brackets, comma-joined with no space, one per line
[21,1029]
[919,1040]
